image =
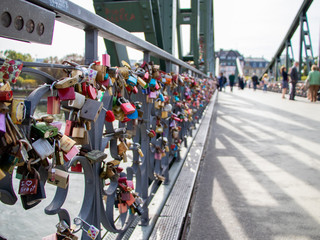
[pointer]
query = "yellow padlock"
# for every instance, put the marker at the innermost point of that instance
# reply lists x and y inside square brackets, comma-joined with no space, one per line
[18,111]
[2,175]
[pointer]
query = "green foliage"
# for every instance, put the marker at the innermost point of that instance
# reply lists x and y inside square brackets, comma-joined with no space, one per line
[17,55]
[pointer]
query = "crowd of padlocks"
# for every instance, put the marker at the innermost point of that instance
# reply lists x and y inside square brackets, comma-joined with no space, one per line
[128,97]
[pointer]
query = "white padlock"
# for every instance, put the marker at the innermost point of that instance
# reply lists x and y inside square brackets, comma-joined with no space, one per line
[77,102]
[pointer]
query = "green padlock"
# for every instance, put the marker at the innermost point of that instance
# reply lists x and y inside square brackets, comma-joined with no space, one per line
[44,131]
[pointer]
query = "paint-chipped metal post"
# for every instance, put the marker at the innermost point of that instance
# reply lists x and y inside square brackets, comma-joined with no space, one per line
[91,47]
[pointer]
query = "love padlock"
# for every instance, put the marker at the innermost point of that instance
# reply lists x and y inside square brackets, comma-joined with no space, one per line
[106,60]
[91,110]
[92,92]
[132,81]
[78,102]
[66,83]
[18,111]
[43,148]
[6,96]
[110,116]
[152,83]
[126,106]
[60,179]
[66,93]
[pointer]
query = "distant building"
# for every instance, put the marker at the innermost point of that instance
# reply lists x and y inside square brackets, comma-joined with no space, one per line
[228,63]
[254,65]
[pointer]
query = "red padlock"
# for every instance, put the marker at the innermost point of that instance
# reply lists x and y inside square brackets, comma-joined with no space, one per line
[110,116]
[6,96]
[76,168]
[125,120]
[84,88]
[128,89]
[92,92]
[53,105]
[126,106]
[66,94]
[135,90]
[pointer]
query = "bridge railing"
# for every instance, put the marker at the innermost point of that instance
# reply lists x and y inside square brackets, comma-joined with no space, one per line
[166,106]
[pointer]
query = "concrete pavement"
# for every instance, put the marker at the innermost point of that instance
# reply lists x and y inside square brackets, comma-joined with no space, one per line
[259,178]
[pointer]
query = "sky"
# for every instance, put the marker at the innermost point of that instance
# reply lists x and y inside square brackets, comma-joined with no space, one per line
[255,28]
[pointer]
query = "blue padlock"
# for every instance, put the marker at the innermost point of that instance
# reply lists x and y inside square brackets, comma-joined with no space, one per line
[106,77]
[161,97]
[132,81]
[152,83]
[133,115]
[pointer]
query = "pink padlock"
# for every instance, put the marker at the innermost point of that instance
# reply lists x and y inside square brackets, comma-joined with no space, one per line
[153,95]
[57,125]
[106,60]
[130,184]
[71,154]
[2,123]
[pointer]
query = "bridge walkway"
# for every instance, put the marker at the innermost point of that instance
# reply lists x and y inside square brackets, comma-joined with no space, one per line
[260,176]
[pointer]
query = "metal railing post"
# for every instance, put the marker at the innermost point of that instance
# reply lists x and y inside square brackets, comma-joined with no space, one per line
[91,47]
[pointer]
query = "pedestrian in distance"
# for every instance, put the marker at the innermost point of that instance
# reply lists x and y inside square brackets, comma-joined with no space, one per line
[285,83]
[254,81]
[231,81]
[294,78]
[240,82]
[222,81]
[314,82]
[265,81]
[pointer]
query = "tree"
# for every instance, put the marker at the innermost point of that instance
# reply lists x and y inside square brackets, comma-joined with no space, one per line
[17,55]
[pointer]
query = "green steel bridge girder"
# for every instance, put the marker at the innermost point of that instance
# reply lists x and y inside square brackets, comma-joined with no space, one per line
[160,21]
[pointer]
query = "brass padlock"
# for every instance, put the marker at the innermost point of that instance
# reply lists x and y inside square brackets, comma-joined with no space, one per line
[140,152]
[108,171]
[60,178]
[175,133]
[159,129]
[158,104]
[66,82]
[2,175]
[66,143]
[164,114]
[78,132]
[83,141]
[122,148]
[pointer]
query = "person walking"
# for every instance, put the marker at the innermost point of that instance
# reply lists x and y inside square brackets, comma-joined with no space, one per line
[265,81]
[231,81]
[222,81]
[294,75]
[240,82]
[314,82]
[285,84]
[254,81]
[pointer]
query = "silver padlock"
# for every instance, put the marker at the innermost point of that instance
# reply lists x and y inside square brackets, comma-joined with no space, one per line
[43,148]
[78,102]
